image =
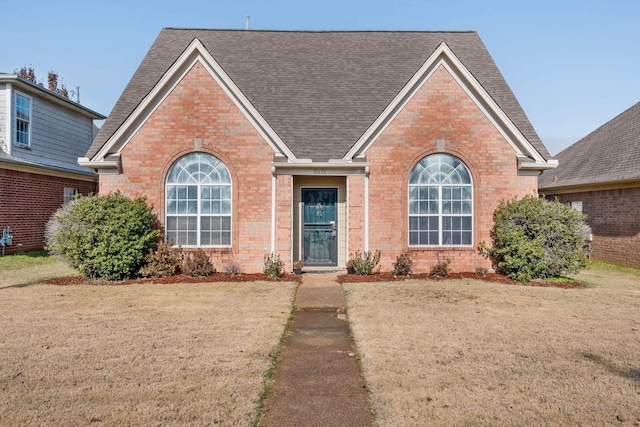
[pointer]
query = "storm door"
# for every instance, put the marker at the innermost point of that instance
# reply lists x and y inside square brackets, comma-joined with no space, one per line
[319,229]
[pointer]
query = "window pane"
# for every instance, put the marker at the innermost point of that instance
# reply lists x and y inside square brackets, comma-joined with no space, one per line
[413,193]
[193,192]
[205,238]
[433,223]
[466,207]
[455,238]
[215,223]
[457,207]
[226,238]
[466,193]
[225,207]
[466,223]
[446,193]
[433,238]
[466,237]
[457,193]
[413,207]
[413,238]
[423,238]
[433,193]
[424,208]
[433,208]
[182,192]
[171,192]
[413,223]
[446,208]
[226,223]
[193,207]
[205,192]
[225,192]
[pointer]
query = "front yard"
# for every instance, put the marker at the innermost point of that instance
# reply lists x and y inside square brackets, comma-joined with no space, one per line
[141,354]
[465,352]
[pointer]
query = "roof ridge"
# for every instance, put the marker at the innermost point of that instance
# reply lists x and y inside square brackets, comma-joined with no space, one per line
[320,31]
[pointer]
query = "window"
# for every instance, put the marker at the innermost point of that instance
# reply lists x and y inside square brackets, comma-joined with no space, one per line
[68,194]
[198,202]
[440,202]
[23,119]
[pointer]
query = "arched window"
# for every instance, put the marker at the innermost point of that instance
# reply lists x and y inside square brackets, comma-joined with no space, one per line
[440,202]
[198,202]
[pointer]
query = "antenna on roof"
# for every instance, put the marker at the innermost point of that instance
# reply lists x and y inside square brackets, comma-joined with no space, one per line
[247,25]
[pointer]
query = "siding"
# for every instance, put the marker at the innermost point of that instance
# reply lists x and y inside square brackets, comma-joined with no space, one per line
[4,120]
[58,136]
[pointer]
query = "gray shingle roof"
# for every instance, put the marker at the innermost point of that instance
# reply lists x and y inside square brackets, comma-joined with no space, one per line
[319,91]
[611,153]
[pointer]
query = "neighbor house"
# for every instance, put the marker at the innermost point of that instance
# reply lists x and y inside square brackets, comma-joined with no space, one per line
[314,145]
[41,136]
[600,176]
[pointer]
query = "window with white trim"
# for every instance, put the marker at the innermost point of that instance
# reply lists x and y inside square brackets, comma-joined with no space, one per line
[23,120]
[440,202]
[68,194]
[198,202]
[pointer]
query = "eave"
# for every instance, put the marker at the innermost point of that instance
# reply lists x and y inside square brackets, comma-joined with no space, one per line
[444,56]
[194,53]
[33,88]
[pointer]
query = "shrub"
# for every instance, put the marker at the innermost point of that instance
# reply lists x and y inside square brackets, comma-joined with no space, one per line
[198,264]
[273,265]
[441,269]
[536,239]
[105,237]
[232,269]
[402,266]
[164,261]
[364,263]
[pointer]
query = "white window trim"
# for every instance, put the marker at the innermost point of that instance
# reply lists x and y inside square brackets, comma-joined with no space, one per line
[14,115]
[440,214]
[67,195]
[198,214]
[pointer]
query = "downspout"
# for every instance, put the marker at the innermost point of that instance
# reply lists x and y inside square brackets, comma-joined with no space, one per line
[273,209]
[366,209]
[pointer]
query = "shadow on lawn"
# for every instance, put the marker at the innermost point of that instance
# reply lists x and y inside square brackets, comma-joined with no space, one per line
[632,374]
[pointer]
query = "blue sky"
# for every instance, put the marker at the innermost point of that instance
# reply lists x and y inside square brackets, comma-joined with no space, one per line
[572,64]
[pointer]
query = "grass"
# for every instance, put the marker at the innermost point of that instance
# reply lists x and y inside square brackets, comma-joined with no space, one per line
[464,352]
[31,259]
[141,354]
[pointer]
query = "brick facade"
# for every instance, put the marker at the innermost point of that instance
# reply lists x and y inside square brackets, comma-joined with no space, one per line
[198,116]
[27,201]
[440,110]
[614,217]
[196,109]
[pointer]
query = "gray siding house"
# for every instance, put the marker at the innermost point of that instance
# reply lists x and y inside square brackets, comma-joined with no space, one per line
[41,136]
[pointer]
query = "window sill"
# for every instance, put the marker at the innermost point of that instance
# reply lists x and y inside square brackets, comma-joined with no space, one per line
[441,248]
[23,147]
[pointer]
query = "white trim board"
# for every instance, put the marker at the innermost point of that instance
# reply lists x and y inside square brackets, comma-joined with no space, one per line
[444,56]
[194,53]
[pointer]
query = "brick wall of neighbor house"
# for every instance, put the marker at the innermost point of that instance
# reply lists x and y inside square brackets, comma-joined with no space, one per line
[198,108]
[27,201]
[440,110]
[614,217]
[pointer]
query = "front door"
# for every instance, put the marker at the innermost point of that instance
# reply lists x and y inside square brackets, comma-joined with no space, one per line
[319,228]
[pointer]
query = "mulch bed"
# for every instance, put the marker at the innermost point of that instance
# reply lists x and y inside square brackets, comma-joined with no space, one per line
[181,278]
[345,278]
[490,277]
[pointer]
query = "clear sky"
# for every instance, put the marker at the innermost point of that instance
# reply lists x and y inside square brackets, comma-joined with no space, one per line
[572,64]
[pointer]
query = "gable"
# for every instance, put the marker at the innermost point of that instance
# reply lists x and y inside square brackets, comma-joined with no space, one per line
[319,92]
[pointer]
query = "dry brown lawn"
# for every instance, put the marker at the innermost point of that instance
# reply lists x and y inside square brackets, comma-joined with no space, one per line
[465,352]
[142,354]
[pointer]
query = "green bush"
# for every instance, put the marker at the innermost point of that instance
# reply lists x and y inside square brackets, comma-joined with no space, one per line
[198,264]
[164,261]
[536,239]
[105,237]
[273,265]
[364,262]
[402,266]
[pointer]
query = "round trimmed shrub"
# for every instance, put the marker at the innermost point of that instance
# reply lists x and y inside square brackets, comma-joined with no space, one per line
[537,239]
[105,237]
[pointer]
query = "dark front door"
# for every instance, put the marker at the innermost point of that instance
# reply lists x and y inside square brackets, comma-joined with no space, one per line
[319,228]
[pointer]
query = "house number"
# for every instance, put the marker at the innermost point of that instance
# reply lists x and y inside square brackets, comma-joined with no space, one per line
[319,171]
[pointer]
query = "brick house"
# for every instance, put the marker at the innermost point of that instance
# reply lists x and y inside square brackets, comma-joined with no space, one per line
[600,176]
[41,136]
[313,145]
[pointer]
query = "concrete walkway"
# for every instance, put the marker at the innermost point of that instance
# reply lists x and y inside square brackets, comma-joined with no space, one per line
[317,381]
